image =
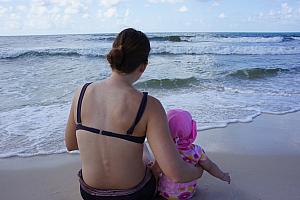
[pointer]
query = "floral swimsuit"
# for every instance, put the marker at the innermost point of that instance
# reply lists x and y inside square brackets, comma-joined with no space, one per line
[170,190]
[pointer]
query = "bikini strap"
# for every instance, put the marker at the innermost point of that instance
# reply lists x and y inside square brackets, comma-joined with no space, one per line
[139,113]
[80,102]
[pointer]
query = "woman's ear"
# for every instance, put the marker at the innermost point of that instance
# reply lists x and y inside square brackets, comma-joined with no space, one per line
[142,67]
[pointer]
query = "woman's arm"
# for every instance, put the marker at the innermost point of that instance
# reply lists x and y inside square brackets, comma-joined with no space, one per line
[163,147]
[70,132]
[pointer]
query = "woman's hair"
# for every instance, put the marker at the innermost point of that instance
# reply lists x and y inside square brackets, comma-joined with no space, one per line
[130,49]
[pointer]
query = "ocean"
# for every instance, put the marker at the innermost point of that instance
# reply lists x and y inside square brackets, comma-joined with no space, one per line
[220,78]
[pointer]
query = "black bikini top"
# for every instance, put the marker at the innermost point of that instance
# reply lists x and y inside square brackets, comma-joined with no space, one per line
[128,136]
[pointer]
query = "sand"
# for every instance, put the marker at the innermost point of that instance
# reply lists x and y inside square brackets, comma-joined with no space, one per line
[263,158]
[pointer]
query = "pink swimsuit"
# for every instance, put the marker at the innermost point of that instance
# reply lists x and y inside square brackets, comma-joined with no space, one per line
[168,189]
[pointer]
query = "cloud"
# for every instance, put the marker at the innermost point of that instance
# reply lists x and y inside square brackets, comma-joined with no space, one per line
[222,15]
[215,3]
[111,12]
[127,12]
[2,10]
[21,8]
[165,1]
[286,10]
[183,9]
[283,14]
[85,16]
[71,11]
[14,21]
[110,3]
[47,14]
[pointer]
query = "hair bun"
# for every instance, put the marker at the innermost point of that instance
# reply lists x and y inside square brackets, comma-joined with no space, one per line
[115,56]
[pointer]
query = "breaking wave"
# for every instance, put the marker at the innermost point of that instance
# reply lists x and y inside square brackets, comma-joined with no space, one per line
[257,73]
[168,83]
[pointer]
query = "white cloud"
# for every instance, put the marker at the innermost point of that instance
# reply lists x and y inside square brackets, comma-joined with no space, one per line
[286,11]
[111,12]
[109,3]
[183,9]
[127,12]
[188,24]
[14,23]
[21,8]
[46,14]
[85,16]
[284,14]
[165,1]
[222,15]
[54,10]
[71,11]
[66,18]
[100,13]
[215,3]
[2,10]
[110,9]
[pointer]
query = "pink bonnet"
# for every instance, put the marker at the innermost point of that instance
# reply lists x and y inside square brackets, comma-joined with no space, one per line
[182,127]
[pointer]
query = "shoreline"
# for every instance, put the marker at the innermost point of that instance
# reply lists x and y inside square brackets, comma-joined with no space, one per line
[262,157]
[201,131]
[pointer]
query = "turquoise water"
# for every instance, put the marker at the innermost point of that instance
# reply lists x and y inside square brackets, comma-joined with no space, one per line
[219,77]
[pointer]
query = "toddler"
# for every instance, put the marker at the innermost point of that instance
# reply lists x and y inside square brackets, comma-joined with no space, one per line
[184,131]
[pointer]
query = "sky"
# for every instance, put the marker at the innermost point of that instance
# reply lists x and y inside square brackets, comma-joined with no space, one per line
[31,17]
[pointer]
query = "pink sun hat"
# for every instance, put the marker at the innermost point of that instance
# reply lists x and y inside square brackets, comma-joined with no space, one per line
[182,127]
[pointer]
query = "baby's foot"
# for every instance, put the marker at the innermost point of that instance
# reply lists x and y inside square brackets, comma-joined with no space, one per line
[226,177]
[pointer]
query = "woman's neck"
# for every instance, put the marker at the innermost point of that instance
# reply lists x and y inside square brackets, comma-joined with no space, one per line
[122,79]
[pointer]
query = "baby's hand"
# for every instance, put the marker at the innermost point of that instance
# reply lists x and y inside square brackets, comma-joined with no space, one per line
[226,177]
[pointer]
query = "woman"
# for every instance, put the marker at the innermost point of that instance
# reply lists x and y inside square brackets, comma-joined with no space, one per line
[108,123]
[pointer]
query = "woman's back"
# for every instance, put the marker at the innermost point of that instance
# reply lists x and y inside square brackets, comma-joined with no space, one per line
[110,162]
[108,123]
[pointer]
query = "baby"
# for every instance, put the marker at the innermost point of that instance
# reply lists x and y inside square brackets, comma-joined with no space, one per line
[184,131]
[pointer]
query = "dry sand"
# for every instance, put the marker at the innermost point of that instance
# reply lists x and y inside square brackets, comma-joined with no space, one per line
[263,158]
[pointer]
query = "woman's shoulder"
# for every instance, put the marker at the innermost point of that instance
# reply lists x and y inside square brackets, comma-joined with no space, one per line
[154,105]
[154,101]
[88,87]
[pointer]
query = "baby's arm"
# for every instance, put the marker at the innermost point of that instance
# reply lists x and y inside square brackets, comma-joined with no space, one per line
[214,170]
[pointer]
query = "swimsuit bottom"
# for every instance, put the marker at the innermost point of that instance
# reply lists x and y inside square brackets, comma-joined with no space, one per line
[145,190]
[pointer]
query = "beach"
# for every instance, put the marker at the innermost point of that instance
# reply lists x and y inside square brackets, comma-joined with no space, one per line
[242,89]
[262,158]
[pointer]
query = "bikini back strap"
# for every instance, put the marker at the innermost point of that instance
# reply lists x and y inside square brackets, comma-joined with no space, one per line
[139,113]
[80,102]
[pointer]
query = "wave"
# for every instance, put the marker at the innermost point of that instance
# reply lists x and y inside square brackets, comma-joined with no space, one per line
[225,50]
[177,38]
[167,83]
[53,52]
[101,38]
[159,49]
[171,38]
[296,38]
[223,39]
[237,39]
[257,73]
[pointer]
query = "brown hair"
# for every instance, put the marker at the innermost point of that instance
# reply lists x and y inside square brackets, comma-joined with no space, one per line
[130,49]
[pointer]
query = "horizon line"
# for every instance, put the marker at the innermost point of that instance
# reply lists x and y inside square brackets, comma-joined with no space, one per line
[146,32]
